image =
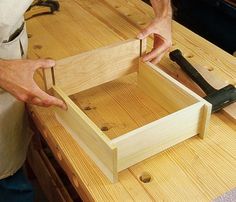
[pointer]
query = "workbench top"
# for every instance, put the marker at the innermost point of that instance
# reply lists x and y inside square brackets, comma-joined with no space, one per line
[192,170]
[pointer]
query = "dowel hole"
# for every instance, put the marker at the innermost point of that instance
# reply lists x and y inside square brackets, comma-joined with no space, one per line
[37,47]
[145,177]
[210,69]
[29,35]
[104,128]
[190,56]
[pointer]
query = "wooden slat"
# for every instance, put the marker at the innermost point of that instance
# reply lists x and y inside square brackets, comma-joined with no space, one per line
[157,136]
[88,136]
[93,68]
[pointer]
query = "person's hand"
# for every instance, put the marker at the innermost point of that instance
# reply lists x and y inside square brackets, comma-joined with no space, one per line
[16,77]
[161,28]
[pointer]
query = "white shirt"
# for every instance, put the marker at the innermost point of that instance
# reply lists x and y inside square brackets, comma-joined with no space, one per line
[14,138]
[11,15]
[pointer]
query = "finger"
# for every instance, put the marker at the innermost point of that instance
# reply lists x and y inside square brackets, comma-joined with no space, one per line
[145,32]
[156,52]
[158,59]
[49,100]
[41,63]
[37,101]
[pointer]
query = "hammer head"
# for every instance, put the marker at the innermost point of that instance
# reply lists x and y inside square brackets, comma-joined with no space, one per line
[222,97]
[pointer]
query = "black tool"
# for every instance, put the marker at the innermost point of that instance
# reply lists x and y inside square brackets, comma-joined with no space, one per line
[219,98]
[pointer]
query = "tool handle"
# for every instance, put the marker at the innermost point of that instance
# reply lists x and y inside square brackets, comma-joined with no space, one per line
[177,57]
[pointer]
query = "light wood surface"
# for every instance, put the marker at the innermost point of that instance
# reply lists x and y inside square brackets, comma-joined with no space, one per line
[193,170]
[80,72]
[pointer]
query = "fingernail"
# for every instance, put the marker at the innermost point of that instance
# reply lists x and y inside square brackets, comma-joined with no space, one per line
[51,62]
[140,36]
[64,107]
[144,59]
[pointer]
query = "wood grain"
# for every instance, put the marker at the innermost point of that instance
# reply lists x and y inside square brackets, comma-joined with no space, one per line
[84,71]
[88,136]
[195,169]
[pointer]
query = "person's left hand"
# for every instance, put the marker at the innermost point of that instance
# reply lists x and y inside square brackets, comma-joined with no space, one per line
[161,28]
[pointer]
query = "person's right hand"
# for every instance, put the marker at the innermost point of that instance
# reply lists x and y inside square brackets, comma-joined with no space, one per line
[16,77]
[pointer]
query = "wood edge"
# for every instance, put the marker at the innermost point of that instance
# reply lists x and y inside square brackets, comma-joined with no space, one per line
[115,177]
[99,49]
[47,79]
[230,112]
[68,101]
[112,174]
[143,46]
[205,119]
[151,125]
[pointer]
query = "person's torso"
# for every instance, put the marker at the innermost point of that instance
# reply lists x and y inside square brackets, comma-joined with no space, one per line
[14,138]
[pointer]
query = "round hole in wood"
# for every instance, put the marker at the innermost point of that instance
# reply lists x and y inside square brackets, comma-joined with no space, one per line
[29,35]
[37,47]
[210,69]
[190,56]
[104,128]
[145,177]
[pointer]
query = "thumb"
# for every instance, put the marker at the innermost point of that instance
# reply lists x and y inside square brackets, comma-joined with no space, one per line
[145,32]
[44,63]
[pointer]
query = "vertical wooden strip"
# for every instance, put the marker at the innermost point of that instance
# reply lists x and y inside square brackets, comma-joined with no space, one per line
[206,115]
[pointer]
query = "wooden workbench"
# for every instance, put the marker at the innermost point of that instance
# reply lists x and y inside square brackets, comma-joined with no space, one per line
[196,169]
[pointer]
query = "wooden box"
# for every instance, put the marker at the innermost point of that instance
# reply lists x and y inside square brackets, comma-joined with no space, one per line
[122,110]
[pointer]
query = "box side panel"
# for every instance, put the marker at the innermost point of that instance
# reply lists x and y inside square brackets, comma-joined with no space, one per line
[90,138]
[166,91]
[157,136]
[93,68]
